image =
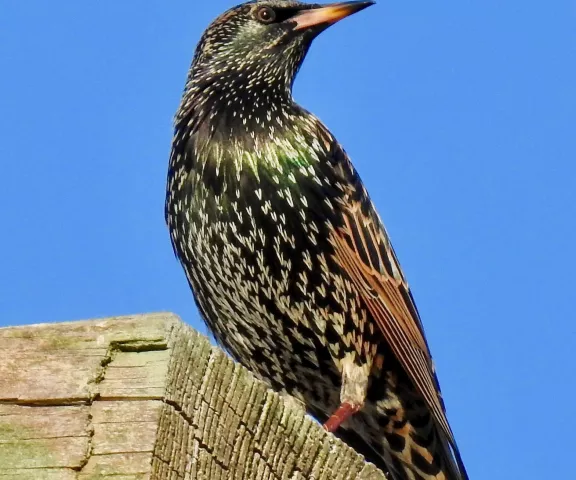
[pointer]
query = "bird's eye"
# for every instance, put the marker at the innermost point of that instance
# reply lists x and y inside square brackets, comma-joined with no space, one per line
[265,15]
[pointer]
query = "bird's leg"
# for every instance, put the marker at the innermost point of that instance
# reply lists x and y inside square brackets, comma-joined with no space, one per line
[342,413]
[352,393]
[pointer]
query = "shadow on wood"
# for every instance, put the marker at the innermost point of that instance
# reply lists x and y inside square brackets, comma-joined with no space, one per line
[147,397]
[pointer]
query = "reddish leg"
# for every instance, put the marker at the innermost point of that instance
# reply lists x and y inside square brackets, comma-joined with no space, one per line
[344,412]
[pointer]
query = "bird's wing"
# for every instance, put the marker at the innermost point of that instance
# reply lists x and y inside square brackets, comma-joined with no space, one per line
[363,250]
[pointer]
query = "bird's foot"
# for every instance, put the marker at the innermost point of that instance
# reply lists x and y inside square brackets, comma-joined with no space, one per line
[343,413]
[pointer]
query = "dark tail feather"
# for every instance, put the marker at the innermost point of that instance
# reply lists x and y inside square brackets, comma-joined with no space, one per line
[404,444]
[355,441]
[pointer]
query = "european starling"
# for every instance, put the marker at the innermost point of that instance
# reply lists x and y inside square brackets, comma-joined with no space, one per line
[289,262]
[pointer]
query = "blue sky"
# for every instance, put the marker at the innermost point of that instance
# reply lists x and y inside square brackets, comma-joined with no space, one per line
[460,116]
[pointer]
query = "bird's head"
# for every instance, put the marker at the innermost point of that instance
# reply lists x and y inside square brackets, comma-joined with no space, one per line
[237,106]
[262,43]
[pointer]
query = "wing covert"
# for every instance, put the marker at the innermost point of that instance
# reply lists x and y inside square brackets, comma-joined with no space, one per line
[363,250]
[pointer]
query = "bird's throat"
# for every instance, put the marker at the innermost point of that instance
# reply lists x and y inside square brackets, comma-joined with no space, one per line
[242,134]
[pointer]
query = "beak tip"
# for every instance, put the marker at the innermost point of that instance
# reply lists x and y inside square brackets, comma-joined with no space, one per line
[355,6]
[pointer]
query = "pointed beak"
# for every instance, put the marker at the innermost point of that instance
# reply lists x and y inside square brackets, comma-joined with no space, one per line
[328,14]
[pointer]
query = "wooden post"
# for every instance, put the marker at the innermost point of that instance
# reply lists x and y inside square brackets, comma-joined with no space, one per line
[147,397]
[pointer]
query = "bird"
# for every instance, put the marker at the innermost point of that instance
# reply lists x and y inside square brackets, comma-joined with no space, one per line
[289,262]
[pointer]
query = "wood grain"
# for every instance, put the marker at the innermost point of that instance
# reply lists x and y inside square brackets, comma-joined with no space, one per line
[147,397]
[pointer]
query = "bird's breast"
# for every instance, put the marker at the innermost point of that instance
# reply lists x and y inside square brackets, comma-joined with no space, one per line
[260,264]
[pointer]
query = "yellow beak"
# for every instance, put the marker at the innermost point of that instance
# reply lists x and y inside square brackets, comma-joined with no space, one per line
[328,15]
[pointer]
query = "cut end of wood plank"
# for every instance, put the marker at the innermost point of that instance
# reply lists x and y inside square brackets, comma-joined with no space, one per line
[148,397]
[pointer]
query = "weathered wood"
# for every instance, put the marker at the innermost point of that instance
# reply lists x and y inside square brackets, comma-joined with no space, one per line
[147,397]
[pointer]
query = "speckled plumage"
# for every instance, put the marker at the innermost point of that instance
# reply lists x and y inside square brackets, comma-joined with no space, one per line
[290,265]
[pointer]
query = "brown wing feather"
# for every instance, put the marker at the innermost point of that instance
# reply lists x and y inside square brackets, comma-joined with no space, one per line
[363,249]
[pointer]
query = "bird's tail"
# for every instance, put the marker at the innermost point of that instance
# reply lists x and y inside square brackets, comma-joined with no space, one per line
[405,442]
